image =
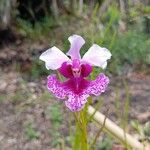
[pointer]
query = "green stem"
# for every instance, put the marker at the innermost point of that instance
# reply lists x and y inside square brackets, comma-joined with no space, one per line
[81,129]
[84,133]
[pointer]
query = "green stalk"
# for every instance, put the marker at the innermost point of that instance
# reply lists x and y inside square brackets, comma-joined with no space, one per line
[126,112]
[84,133]
[81,142]
[77,141]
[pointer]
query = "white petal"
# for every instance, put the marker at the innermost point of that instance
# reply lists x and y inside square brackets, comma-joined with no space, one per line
[76,42]
[53,58]
[97,56]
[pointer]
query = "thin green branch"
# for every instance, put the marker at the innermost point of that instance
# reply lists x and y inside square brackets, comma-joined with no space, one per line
[101,129]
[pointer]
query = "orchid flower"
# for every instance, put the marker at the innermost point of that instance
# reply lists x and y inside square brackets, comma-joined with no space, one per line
[76,89]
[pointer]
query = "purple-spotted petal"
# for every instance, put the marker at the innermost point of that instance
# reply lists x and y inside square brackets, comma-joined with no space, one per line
[56,87]
[77,98]
[76,42]
[97,86]
[97,56]
[53,58]
[76,101]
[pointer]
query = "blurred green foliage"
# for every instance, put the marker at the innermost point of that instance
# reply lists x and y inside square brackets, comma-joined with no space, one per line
[56,120]
[31,132]
[143,130]
[37,70]
[39,30]
[106,144]
[55,115]
[131,48]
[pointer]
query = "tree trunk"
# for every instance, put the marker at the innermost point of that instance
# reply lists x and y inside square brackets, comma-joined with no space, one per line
[6,7]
